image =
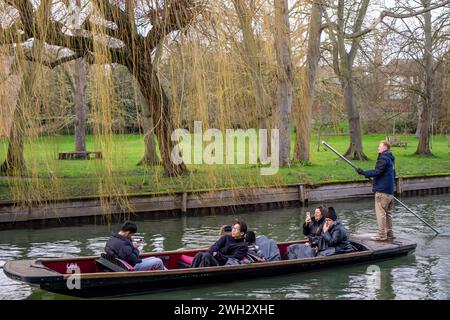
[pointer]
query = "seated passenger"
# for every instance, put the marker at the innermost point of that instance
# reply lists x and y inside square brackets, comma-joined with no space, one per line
[269,248]
[225,230]
[312,228]
[254,253]
[120,245]
[313,225]
[334,236]
[227,250]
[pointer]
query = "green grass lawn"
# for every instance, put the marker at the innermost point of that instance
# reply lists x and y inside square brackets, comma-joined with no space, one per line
[118,172]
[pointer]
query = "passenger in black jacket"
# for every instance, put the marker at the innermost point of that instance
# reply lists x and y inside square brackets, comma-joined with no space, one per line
[383,186]
[227,250]
[120,245]
[334,236]
[313,225]
[312,228]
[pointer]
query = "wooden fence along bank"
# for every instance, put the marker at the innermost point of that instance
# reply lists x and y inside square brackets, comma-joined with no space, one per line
[218,201]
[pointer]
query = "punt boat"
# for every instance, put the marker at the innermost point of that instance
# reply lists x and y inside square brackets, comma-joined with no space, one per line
[90,277]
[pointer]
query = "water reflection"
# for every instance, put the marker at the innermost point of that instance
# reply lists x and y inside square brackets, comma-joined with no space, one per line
[9,289]
[54,249]
[421,276]
[96,245]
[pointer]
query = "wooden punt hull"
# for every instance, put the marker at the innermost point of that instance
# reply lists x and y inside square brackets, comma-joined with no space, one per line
[51,274]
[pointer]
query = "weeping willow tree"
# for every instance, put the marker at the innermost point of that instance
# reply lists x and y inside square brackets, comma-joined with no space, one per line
[39,36]
[26,98]
[210,77]
[246,11]
[110,32]
[209,61]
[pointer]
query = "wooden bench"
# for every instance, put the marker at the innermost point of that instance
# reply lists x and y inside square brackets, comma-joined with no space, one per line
[79,155]
[397,142]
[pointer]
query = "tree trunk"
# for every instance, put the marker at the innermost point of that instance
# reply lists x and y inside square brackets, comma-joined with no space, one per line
[150,157]
[425,119]
[284,75]
[14,164]
[355,150]
[154,93]
[304,116]
[80,105]
[343,62]
[419,118]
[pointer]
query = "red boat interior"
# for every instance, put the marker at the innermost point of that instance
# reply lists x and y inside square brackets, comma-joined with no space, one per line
[174,260]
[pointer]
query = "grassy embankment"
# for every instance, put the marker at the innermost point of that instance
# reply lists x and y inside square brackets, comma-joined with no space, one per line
[78,178]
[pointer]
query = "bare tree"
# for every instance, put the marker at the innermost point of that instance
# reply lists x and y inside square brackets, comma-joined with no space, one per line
[345,27]
[422,38]
[343,62]
[424,135]
[80,94]
[304,116]
[284,87]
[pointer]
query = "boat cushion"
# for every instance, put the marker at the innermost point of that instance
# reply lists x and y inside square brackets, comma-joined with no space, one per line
[112,263]
[255,258]
[127,266]
[186,259]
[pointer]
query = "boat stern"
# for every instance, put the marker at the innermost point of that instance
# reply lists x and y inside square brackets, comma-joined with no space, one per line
[30,271]
[398,246]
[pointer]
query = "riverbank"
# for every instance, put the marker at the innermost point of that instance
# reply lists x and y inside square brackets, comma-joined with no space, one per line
[55,179]
[12,215]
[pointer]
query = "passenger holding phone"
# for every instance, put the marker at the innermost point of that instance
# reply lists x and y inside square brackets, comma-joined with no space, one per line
[313,225]
[122,245]
[312,228]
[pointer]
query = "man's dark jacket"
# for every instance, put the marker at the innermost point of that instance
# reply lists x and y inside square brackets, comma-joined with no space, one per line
[122,248]
[384,173]
[227,247]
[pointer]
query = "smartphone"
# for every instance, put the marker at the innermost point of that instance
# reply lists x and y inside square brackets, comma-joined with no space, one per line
[308,214]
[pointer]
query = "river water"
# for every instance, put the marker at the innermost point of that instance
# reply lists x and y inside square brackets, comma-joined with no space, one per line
[423,275]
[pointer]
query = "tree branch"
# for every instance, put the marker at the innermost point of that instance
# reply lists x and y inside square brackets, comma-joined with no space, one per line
[126,29]
[357,27]
[176,15]
[333,39]
[394,15]
[54,64]
[25,9]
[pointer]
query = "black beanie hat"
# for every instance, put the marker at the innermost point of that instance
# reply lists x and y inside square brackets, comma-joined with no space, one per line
[250,237]
[331,214]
